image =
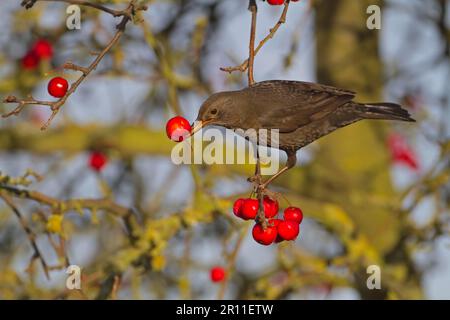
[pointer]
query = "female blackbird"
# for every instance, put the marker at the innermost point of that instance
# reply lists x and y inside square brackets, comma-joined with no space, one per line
[301,111]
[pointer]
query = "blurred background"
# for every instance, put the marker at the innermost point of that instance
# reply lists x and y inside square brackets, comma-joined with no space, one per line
[98,189]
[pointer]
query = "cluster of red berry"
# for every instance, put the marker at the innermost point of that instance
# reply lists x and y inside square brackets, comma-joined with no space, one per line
[57,87]
[40,50]
[278,230]
[278,2]
[43,50]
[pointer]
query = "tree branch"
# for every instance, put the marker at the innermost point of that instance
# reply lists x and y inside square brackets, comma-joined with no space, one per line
[67,205]
[231,262]
[30,234]
[55,106]
[254,10]
[245,65]
[115,13]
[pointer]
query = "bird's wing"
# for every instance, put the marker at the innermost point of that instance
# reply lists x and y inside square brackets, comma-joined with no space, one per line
[288,105]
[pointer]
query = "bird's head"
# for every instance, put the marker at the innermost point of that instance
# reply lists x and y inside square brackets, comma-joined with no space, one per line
[219,110]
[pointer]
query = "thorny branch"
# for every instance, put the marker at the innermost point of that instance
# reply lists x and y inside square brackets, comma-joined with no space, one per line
[245,65]
[55,106]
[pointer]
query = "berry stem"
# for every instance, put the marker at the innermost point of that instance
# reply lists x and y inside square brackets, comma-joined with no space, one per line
[259,190]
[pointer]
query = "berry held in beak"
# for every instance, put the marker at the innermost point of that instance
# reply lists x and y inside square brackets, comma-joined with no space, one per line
[178,129]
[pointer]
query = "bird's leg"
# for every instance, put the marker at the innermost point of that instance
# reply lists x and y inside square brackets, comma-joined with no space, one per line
[291,161]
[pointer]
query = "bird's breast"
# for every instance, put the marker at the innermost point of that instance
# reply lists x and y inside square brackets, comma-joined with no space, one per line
[262,137]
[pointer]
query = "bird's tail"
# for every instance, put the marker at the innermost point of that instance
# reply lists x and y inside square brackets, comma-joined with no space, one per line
[383,111]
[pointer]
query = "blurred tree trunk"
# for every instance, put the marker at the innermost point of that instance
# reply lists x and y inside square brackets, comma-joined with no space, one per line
[354,160]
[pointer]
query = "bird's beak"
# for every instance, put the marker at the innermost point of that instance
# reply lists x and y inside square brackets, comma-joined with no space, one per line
[197,125]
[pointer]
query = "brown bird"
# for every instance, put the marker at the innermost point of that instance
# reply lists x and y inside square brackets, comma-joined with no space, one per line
[301,111]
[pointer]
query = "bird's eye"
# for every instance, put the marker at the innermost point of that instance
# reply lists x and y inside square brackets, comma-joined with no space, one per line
[214,111]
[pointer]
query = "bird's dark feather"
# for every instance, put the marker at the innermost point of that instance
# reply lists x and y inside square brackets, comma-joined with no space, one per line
[288,105]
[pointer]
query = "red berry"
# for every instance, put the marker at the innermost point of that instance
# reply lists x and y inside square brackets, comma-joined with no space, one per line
[288,230]
[30,61]
[401,152]
[275,2]
[293,214]
[237,207]
[57,87]
[264,237]
[97,160]
[270,207]
[275,223]
[249,209]
[217,274]
[178,128]
[43,49]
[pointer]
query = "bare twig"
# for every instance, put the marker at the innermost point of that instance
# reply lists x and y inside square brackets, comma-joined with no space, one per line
[115,13]
[60,250]
[22,103]
[30,234]
[245,65]
[231,262]
[71,66]
[55,106]
[254,10]
[115,287]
